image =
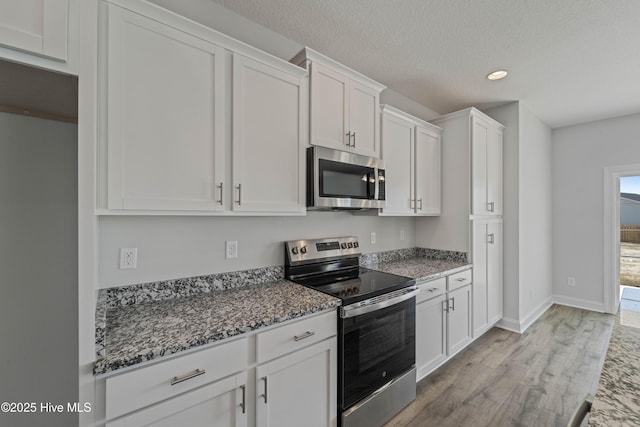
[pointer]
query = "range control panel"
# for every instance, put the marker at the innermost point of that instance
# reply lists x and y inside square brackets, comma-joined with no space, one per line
[301,251]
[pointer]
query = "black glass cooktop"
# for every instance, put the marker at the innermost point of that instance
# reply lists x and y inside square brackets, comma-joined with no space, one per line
[356,284]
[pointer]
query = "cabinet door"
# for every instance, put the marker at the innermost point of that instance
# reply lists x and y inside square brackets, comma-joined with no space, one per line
[398,135]
[479,255]
[35,26]
[459,320]
[427,176]
[364,116]
[431,338]
[479,169]
[494,171]
[268,138]
[220,404]
[329,108]
[299,389]
[165,117]
[494,272]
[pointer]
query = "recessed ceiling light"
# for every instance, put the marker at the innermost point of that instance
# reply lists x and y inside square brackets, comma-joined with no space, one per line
[497,75]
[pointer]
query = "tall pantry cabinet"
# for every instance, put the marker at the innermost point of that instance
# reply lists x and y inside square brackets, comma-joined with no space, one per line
[471,217]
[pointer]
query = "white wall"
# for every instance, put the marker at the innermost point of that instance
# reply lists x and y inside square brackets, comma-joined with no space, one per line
[535,219]
[527,212]
[38,267]
[175,247]
[579,155]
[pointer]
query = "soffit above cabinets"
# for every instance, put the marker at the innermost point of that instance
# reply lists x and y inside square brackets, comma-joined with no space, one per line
[39,93]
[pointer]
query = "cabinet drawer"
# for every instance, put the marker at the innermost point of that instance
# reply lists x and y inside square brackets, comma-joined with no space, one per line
[133,390]
[285,339]
[431,289]
[458,280]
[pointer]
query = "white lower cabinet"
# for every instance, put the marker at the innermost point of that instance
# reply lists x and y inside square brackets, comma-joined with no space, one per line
[298,389]
[222,403]
[458,319]
[443,320]
[487,274]
[431,327]
[292,369]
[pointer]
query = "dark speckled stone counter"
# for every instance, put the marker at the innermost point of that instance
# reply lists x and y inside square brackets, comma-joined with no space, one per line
[141,332]
[421,269]
[617,400]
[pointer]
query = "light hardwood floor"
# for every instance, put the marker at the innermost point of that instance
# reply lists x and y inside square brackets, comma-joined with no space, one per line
[506,379]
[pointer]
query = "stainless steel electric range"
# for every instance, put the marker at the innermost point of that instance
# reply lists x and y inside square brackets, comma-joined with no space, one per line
[376,327]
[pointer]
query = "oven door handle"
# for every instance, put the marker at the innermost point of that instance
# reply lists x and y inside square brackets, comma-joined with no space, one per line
[378,303]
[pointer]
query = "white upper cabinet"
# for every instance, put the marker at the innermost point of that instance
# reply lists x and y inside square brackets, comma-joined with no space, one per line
[344,105]
[42,33]
[398,148]
[196,123]
[268,138]
[411,151]
[486,167]
[427,156]
[165,117]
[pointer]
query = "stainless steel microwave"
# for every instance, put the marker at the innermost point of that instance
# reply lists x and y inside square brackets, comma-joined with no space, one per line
[340,180]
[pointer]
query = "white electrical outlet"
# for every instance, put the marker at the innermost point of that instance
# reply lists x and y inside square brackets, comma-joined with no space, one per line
[373,237]
[401,235]
[571,281]
[231,249]
[128,258]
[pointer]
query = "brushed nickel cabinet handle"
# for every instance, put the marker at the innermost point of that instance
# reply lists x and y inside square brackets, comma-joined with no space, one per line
[453,304]
[243,405]
[354,139]
[445,307]
[348,139]
[462,279]
[265,389]
[303,336]
[239,201]
[490,206]
[412,204]
[188,376]
[221,194]
[491,239]
[420,200]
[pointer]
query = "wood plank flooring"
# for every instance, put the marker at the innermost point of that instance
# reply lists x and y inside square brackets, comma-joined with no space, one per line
[506,379]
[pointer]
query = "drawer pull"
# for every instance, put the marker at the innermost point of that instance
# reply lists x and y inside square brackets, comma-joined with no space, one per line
[432,289]
[462,279]
[303,336]
[185,377]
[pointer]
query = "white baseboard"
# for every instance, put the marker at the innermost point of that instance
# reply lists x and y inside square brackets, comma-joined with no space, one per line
[509,324]
[579,303]
[519,326]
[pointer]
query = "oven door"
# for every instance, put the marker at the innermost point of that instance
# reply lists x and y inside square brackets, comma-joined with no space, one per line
[376,346]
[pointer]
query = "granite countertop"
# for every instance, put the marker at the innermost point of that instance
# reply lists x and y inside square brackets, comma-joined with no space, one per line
[146,331]
[617,400]
[421,268]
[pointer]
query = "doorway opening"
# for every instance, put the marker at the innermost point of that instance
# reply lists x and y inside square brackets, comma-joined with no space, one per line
[630,231]
[618,180]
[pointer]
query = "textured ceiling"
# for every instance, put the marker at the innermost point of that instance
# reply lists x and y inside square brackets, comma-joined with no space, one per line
[569,61]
